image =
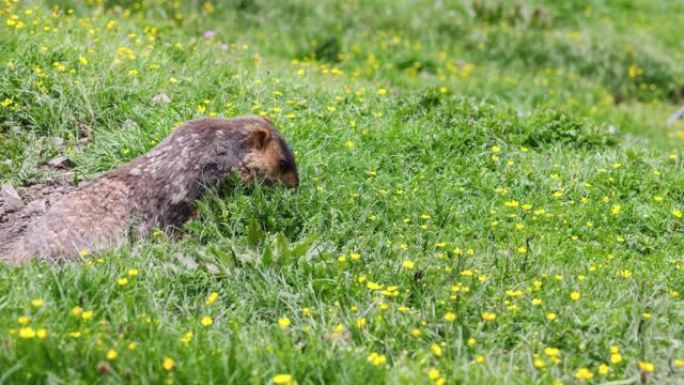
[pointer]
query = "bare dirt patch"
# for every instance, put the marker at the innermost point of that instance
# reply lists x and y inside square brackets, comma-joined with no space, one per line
[20,205]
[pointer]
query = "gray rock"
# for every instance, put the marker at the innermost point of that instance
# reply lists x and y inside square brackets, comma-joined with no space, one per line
[161,99]
[11,199]
[58,142]
[60,161]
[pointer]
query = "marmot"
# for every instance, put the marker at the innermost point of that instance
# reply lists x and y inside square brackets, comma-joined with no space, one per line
[157,189]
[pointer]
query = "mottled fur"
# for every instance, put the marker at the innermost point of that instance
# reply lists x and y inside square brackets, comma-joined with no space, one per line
[158,189]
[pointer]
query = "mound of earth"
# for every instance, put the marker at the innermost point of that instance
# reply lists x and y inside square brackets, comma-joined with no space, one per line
[18,207]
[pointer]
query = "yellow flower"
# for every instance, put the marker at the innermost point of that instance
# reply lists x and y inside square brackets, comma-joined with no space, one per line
[42,333]
[23,320]
[361,323]
[408,264]
[471,342]
[584,374]
[615,358]
[646,366]
[416,332]
[112,354]
[132,346]
[377,359]
[552,352]
[213,296]
[209,7]
[436,350]
[38,302]
[87,315]
[603,369]
[133,272]
[382,92]
[168,363]
[575,295]
[449,316]
[27,333]
[122,281]
[677,213]
[186,338]
[83,60]
[206,321]
[551,316]
[679,363]
[284,323]
[488,316]
[538,363]
[480,359]
[283,379]
[615,209]
[433,374]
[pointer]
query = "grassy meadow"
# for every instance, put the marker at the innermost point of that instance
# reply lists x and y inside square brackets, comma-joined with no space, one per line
[490,194]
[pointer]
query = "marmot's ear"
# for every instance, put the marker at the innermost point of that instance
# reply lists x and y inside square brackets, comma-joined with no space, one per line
[259,137]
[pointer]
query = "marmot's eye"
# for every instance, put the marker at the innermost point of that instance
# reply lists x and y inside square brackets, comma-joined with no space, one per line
[283,165]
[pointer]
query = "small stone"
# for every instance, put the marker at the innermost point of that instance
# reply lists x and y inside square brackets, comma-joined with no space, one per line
[11,199]
[161,98]
[84,129]
[187,262]
[211,268]
[60,161]
[58,142]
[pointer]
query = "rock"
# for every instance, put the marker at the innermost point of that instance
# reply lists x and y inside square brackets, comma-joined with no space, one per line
[211,268]
[84,129]
[58,142]
[161,99]
[187,262]
[11,199]
[60,161]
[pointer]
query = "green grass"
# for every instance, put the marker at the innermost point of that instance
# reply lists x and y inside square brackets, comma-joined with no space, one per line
[457,159]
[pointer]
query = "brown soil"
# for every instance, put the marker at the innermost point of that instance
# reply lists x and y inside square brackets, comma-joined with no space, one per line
[37,199]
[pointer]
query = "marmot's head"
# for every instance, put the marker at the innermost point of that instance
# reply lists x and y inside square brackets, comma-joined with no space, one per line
[270,157]
[248,145]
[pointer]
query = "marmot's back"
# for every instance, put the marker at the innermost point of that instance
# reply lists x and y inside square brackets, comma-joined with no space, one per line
[157,189]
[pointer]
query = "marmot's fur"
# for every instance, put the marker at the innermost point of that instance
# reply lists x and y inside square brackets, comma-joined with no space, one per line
[158,189]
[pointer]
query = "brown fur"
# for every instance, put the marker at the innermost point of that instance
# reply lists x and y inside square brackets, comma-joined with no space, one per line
[158,189]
